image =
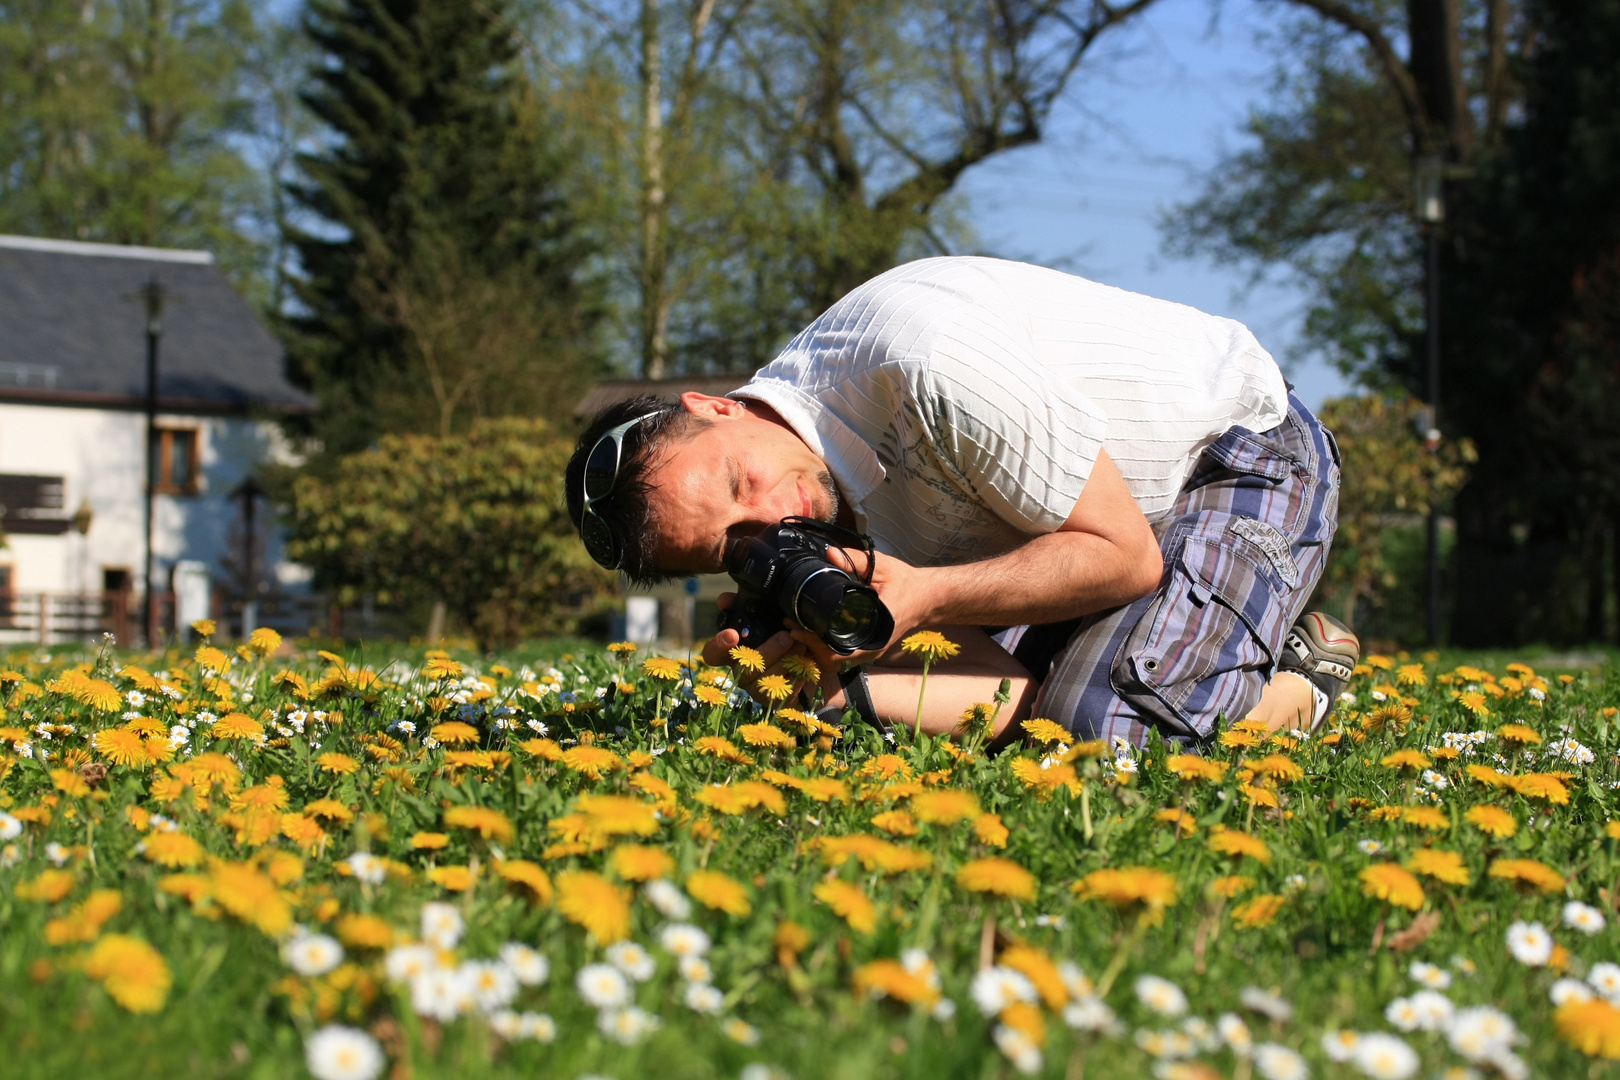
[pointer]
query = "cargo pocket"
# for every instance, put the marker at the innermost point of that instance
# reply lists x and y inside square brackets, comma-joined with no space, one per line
[1245,453]
[1207,644]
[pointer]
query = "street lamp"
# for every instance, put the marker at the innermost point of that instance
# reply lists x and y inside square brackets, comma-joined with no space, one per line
[1429,197]
[152,292]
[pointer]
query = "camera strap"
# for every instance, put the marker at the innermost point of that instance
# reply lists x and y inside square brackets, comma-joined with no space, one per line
[858,694]
[841,538]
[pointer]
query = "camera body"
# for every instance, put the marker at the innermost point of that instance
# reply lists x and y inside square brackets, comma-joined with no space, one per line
[784,573]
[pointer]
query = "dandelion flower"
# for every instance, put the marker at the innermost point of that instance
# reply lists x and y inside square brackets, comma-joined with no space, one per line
[1518,733]
[1233,842]
[489,824]
[1446,866]
[767,735]
[133,973]
[1592,1027]
[1128,885]
[1278,767]
[1259,912]
[591,901]
[748,659]
[944,807]
[602,986]
[662,668]
[364,931]
[1002,877]
[715,890]
[1535,874]
[1426,817]
[1161,995]
[336,1052]
[1191,767]
[338,764]
[931,645]
[1492,820]
[1406,759]
[636,862]
[709,695]
[775,687]
[1386,881]
[849,903]
[1530,943]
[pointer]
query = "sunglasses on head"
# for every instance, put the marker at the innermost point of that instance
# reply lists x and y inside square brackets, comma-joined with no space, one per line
[601,473]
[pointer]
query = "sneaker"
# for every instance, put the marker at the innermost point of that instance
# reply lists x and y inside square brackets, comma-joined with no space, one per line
[1324,651]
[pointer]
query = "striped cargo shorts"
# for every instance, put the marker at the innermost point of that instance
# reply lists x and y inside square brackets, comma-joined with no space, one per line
[1243,549]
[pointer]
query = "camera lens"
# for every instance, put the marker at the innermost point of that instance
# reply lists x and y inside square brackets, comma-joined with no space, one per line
[852,620]
[838,609]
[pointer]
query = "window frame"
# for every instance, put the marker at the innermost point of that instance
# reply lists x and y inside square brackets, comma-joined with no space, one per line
[163,483]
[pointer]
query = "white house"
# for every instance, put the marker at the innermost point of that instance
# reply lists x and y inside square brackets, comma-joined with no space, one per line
[73,400]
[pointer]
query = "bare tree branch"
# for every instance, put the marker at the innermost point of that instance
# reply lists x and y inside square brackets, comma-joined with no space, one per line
[1395,69]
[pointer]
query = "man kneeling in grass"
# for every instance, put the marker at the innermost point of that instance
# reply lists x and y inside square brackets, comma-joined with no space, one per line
[1114,501]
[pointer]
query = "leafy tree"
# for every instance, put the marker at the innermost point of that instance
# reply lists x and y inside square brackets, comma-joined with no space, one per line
[118,120]
[476,521]
[438,177]
[1389,475]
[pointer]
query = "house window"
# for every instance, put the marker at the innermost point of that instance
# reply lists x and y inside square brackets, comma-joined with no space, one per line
[174,451]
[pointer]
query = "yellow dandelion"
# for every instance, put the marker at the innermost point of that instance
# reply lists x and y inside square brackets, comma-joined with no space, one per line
[1411,675]
[364,932]
[1486,775]
[121,746]
[1406,759]
[775,687]
[595,903]
[174,850]
[1518,733]
[741,797]
[490,824]
[1000,877]
[1426,817]
[889,978]
[748,659]
[452,878]
[624,648]
[1233,842]
[1238,740]
[85,921]
[1592,1027]
[1231,886]
[637,862]
[618,815]
[69,783]
[1046,731]
[715,890]
[768,735]
[132,972]
[251,895]
[896,823]
[1184,822]
[49,887]
[591,761]
[339,764]
[722,748]
[1386,881]
[661,667]
[849,903]
[931,645]
[1538,875]
[547,749]
[1492,820]
[212,659]
[1278,767]
[709,695]
[1612,830]
[1259,912]
[801,667]
[1039,969]
[527,874]
[440,666]
[1474,702]
[1128,885]
[1540,786]
[873,852]
[430,841]
[203,627]
[990,830]
[944,807]
[454,733]
[824,788]
[1446,866]
[1191,767]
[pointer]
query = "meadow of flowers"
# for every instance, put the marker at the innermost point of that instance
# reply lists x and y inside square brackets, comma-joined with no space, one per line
[271,861]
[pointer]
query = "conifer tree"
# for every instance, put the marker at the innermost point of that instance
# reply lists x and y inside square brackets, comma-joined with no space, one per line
[445,279]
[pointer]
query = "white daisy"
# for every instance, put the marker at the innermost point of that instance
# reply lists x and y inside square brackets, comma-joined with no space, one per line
[441,993]
[1481,1032]
[1605,979]
[1583,917]
[526,965]
[741,1031]
[1160,995]
[703,998]
[1166,1045]
[944,1010]
[1384,1057]
[441,925]
[696,969]
[1530,943]
[1202,1033]
[491,984]
[1570,992]
[1076,981]
[994,988]
[1369,847]
[405,962]
[1235,1033]
[1401,1014]
[539,1027]
[1267,1004]
[367,868]
[507,1024]
[1434,1010]
[626,1026]
[1340,1046]
[1088,1014]
[312,954]
[343,1053]
[668,899]
[683,939]
[1429,975]
[1019,1049]
[10,827]
[1275,1062]
[633,960]
[602,986]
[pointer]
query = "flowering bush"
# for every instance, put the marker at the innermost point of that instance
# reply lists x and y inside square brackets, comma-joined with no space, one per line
[269,862]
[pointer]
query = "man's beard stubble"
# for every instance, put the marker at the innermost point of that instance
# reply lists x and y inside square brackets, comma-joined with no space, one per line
[831,489]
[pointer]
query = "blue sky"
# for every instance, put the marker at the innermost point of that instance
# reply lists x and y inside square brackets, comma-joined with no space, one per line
[1151,111]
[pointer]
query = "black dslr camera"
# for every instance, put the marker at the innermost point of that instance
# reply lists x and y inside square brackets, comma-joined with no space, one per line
[784,573]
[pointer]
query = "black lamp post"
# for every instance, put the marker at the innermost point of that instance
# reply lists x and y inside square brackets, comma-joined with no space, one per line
[152,292]
[1429,174]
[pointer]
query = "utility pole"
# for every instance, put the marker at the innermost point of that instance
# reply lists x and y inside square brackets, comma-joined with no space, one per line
[153,293]
[1429,176]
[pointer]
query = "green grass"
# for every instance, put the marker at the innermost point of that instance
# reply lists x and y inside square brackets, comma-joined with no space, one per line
[236,1010]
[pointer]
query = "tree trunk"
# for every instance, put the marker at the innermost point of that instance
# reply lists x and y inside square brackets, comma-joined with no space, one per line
[435,627]
[654,308]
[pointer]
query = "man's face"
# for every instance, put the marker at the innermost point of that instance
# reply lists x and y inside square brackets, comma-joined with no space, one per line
[742,472]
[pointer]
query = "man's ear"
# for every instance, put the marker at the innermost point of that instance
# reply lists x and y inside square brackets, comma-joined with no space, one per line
[713,408]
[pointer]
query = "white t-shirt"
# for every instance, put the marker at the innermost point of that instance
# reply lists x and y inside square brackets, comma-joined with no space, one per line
[960,402]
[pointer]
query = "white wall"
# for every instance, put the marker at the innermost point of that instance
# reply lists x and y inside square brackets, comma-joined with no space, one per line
[100,455]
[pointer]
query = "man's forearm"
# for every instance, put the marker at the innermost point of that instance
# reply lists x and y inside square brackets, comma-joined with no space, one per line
[1061,575]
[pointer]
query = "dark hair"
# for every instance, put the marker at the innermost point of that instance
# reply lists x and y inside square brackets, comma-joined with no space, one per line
[626,509]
